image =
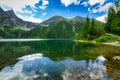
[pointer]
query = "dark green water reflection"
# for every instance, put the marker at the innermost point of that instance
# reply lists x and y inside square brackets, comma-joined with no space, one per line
[58,60]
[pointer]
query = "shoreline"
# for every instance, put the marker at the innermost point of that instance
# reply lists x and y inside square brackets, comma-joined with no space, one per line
[115,43]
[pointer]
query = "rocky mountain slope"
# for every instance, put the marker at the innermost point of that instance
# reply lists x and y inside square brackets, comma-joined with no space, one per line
[9,18]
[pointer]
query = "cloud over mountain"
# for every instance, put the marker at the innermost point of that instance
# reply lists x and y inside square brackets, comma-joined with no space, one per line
[40,10]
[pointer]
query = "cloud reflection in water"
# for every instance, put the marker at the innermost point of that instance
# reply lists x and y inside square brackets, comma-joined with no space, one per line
[35,66]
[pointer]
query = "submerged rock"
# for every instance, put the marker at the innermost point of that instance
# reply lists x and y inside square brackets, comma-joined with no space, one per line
[116,58]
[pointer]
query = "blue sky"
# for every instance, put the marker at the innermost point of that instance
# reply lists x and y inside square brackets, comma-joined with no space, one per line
[40,10]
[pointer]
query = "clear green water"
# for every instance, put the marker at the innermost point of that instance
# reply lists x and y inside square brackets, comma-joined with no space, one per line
[58,60]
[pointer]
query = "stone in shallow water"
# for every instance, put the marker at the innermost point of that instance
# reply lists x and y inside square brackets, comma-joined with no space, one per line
[116,58]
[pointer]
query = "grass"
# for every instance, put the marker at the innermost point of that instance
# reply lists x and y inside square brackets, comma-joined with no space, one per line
[106,38]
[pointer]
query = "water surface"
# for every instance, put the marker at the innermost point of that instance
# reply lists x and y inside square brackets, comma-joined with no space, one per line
[57,60]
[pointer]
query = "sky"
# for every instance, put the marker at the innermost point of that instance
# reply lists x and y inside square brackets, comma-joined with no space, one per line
[40,10]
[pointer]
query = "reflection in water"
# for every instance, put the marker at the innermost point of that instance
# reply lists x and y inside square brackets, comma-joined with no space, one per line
[101,58]
[61,60]
[31,57]
[37,67]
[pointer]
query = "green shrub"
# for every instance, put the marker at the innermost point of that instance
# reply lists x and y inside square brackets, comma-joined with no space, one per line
[105,38]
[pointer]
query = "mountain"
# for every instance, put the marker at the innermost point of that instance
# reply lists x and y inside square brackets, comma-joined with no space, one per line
[54,27]
[9,18]
[5,18]
[57,27]
[52,20]
[57,18]
[64,29]
[78,18]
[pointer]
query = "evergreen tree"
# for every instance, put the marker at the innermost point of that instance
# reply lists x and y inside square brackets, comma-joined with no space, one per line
[85,32]
[111,15]
[92,27]
[113,19]
[117,5]
[87,22]
[93,23]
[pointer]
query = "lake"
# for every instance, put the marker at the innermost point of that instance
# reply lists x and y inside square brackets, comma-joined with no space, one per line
[57,60]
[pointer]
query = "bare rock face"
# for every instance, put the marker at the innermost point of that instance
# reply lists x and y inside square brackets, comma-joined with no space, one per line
[116,58]
[10,18]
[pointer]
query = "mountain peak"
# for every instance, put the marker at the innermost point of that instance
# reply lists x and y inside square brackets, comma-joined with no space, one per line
[79,18]
[11,14]
[2,11]
[10,11]
[52,20]
[56,16]
[10,18]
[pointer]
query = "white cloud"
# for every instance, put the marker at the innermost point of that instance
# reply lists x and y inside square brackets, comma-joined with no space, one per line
[44,13]
[69,2]
[27,11]
[85,4]
[97,5]
[17,5]
[102,18]
[89,9]
[4,7]
[44,4]
[42,7]
[93,2]
[94,11]
[103,8]
[30,18]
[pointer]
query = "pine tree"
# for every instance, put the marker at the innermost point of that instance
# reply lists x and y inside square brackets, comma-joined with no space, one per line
[113,19]
[92,27]
[117,5]
[111,15]
[85,32]
[87,22]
